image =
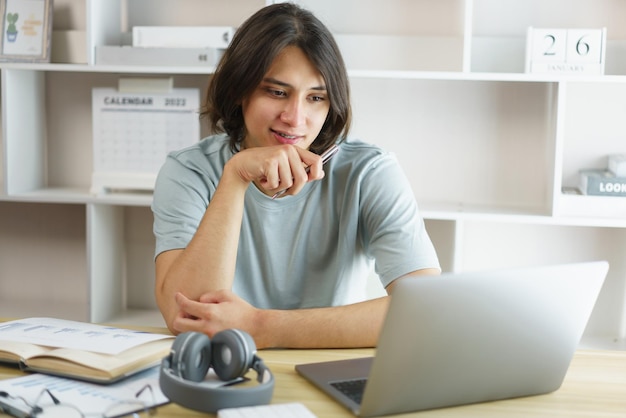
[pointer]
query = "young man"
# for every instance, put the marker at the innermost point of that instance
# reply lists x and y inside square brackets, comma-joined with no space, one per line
[289,270]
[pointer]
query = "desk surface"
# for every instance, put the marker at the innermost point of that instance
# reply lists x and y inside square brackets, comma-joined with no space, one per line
[595,386]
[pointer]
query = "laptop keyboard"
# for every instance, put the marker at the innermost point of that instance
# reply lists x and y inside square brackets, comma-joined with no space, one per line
[353,389]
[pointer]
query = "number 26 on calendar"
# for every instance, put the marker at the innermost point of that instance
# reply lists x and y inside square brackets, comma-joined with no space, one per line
[567,51]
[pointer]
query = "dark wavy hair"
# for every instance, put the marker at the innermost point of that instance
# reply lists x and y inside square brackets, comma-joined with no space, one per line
[253,49]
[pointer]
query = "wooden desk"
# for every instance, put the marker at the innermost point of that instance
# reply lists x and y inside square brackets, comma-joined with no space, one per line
[595,386]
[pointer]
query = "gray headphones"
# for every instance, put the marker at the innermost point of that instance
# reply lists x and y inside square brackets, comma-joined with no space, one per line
[231,353]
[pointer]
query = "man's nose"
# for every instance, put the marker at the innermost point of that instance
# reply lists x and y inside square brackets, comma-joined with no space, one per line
[293,113]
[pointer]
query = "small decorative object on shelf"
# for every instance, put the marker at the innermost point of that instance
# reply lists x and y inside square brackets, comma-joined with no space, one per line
[617,164]
[565,51]
[610,181]
[157,56]
[25,30]
[602,183]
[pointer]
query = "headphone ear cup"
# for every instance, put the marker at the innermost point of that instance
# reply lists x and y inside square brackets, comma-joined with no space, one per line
[233,353]
[191,356]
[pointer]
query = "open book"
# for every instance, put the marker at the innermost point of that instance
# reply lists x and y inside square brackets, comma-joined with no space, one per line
[80,350]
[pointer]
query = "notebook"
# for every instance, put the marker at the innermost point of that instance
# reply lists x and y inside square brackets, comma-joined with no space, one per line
[470,337]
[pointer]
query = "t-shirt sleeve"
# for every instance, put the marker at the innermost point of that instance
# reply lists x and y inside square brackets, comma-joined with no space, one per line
[181,196]
[393,229]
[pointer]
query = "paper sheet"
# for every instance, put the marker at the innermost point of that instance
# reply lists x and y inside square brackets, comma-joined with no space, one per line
[72,334]
[89,398]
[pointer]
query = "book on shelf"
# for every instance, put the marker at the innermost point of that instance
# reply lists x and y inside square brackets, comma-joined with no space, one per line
[80,350]
[157,56]
[183,36]
[601,183]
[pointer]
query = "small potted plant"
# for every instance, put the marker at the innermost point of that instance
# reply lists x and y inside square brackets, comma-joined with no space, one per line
[11,29]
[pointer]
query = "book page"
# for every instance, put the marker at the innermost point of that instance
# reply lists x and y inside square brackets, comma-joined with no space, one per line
[13,352]
[97,365]
[62,333]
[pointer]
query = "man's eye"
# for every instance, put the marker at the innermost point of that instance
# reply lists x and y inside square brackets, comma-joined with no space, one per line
[276,92]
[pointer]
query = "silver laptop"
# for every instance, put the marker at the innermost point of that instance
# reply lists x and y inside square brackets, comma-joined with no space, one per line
[465,338]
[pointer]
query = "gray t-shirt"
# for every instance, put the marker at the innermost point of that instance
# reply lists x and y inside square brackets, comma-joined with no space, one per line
[309,250]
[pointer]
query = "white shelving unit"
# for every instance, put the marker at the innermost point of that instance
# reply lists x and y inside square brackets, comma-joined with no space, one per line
[488,149]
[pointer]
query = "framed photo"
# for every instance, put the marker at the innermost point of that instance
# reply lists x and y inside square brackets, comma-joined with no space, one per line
[26,30]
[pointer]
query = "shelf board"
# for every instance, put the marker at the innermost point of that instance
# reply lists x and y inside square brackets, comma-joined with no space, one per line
[353,73]
[592,210]
[123,198]
[80,195]
[536,216]
[484,76]
[87,68]
[50,195]
[458,211]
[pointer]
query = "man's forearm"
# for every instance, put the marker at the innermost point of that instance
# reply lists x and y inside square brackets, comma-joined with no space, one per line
[355,325]
[208,262]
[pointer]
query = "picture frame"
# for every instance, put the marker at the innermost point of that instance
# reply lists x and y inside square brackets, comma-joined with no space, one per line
[25,30]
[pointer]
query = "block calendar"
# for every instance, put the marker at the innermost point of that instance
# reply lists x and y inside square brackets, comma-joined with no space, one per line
[134,132]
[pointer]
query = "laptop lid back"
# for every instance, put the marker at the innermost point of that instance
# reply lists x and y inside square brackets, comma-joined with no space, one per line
[472,337]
